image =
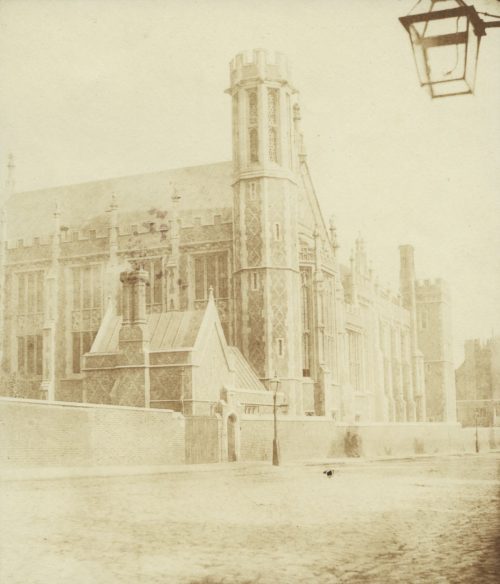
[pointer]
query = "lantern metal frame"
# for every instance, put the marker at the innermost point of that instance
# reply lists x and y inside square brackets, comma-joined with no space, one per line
[474,28]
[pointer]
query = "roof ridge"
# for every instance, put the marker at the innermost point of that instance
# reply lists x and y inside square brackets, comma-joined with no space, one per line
[120,177]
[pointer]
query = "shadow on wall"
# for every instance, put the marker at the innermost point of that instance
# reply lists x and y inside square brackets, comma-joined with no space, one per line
[352,444]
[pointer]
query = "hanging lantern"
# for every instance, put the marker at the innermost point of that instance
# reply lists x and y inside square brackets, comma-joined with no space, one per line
[445,41]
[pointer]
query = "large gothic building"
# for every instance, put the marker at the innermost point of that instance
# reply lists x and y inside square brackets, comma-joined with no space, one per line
[195,287]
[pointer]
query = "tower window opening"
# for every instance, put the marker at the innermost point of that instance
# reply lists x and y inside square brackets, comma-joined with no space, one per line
[253,134]
[277,232]
[273,116]
[281,347]
[255,281]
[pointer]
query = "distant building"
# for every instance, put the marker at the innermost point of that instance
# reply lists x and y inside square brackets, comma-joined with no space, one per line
[478,383]
[249,233]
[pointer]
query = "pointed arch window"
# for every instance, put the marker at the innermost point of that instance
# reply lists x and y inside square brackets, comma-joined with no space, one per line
[253,133]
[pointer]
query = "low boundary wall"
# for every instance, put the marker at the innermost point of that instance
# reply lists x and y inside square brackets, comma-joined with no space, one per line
[36,433]
[319,438]
[58,434]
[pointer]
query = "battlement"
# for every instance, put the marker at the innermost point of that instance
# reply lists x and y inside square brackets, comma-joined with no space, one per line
[259,63]
[189,219]
[431,283]
[432,289]
[67,236]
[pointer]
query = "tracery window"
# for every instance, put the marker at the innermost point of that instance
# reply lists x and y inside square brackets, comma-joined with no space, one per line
[29,355]
[87,287]
[30,292]
[211,271]
[155,288]
[87,310]
[355,359]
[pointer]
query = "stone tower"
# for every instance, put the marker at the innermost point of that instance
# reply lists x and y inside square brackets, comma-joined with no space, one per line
[266,270]
[434,339]
[415,392]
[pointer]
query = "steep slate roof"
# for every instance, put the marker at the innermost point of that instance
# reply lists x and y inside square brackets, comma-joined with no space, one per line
[169,330]
[30,214]
[245,376]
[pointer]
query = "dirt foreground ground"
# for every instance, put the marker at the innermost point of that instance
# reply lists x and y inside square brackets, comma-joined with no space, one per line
[427,520]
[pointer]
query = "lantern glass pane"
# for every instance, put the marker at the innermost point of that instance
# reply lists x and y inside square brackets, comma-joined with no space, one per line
[445,52]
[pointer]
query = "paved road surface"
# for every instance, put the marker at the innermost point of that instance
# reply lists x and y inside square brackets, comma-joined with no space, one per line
[426,521]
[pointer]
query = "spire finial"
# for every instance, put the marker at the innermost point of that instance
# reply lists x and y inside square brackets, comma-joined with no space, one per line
[333,235]
[175,194]
[211,294]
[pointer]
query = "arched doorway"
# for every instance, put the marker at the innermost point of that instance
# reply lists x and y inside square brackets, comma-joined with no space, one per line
[232,438]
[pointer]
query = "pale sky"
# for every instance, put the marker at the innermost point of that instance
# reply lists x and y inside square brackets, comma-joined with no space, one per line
[104,88]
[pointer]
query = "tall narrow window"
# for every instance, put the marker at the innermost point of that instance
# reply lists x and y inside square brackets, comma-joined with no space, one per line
[21,294]
[29,355]
[39,292]
[30,292]
[355,360]
[96,286]
[199,278]
[20,355]
[254,145]
[39,355]
[222,275]
[155,287]
[254,279]
[87,310]
[252,125]
[210,271]
[86,284]
[76,288]
[273,116]
[277,232]
[76,352]
[273,146]
[281,347]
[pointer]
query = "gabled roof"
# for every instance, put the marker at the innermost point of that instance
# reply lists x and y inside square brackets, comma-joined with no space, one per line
[168,330]
[245,376]
[30,214]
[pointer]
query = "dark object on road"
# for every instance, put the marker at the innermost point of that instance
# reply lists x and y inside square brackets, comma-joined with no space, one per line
[329,473]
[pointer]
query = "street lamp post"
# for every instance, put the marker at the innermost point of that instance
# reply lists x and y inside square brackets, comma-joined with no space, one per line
[276,449]
[445,41]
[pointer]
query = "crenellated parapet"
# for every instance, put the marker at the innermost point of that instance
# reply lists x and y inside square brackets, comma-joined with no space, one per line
[432,290]
[259,64]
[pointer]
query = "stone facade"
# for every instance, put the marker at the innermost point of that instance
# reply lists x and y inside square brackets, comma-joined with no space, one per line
[478,384]
[250,230]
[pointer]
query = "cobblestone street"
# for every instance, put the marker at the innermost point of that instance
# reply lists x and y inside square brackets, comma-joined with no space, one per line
[426,520]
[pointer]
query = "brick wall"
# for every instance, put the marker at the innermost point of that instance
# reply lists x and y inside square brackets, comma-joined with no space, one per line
[53,435]
[299,439]
[320,439]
